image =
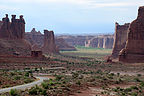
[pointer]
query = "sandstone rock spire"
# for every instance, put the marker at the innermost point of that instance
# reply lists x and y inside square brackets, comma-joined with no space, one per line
[49,43]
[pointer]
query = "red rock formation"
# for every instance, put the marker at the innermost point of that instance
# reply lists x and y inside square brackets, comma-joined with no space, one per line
[120,38]
[12,37]
[134,49]
[35,38]
[49,43]
[63,46]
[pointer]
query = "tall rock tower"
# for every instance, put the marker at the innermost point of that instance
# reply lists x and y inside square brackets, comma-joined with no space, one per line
[134,49]
[49,43]
[120,38]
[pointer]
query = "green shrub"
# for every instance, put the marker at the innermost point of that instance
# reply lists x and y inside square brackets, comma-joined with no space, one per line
[17,77]
[75,75]
[78,82]
[27,74]
[142,84]
[44,92]
[13,92]
[45,85]
[58,77]
[33,91]
[28,80]
[137,79]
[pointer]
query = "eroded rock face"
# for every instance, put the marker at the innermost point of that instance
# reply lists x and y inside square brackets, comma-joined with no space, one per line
[134,49]
[12,37]
[120,38]
[49,43]
[35,38]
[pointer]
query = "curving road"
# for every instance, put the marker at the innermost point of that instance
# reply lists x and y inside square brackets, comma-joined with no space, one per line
[25,86]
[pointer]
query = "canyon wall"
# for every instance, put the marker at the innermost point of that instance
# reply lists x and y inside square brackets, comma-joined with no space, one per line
[134,49]
[97,41]
[76,40]
[120,38]
[104,41]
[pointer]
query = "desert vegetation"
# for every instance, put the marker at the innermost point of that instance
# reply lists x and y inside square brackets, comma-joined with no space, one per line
[80,74]
[14,77]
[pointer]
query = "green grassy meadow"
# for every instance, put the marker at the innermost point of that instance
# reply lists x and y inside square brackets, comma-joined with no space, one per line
[88,52]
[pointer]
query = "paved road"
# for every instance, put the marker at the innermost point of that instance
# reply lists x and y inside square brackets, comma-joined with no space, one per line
[25,86]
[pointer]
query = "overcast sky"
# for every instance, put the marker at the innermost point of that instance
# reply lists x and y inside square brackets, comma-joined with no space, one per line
[72,16]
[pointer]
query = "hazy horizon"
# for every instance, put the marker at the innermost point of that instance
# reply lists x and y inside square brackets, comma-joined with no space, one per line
[72,16]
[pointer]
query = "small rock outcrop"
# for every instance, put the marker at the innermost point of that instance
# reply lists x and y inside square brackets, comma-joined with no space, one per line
[12,37]
[120,38]
[134,49]
[49,43]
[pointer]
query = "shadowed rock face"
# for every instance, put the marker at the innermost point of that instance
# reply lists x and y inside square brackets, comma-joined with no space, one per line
[12,37]
[134,49]
[35,38]
[49,43]
[63,46]
[14,29]
[120,38]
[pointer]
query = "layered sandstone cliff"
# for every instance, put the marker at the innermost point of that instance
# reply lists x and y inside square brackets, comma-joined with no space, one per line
[76,40]
[120,38]
[96,41]
[134,49]
[103,41]
[12,37]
